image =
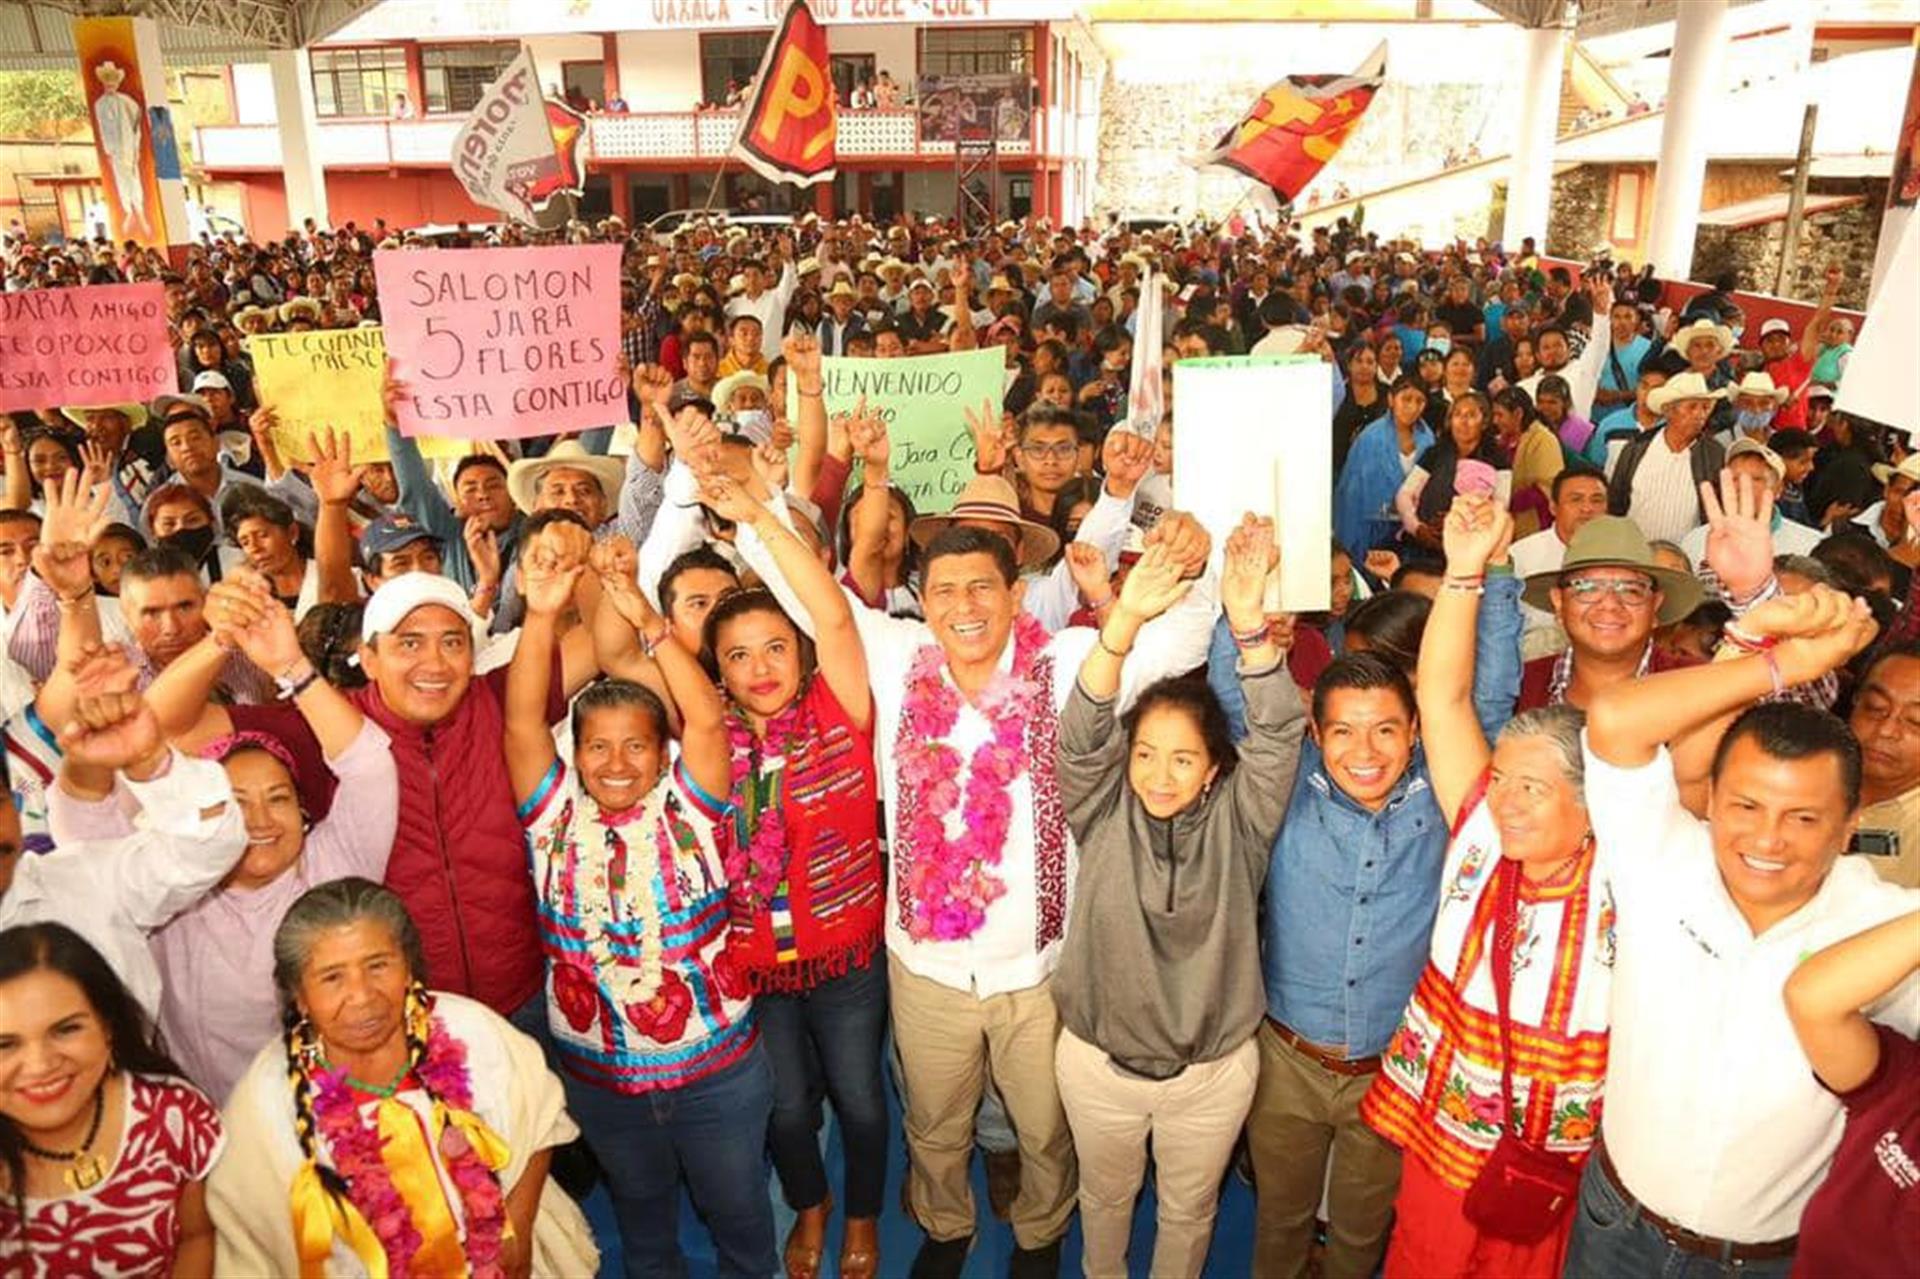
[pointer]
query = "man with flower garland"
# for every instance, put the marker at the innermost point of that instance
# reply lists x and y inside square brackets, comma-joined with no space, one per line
[968,703]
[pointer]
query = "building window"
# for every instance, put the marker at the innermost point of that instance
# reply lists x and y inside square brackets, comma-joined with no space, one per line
[850,71]
[730,59]
[1624,226]
[357,81]
[454,75]
[975,51]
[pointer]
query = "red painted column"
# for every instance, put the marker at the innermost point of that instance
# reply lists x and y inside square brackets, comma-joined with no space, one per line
[620,185]
[863,193]
[1042,84]
[610,66]
[416,79]
[823,199]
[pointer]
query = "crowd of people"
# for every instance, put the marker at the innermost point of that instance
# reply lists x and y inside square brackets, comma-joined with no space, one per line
[398,848]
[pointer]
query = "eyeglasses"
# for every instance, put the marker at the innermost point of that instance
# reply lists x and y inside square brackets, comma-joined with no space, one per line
[1059,452]
[1587,591]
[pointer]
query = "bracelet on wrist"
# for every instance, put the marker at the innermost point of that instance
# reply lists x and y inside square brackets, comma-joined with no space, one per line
[1773,671]
[1745,642]
[1251,638]
[74,600]
[1110,649]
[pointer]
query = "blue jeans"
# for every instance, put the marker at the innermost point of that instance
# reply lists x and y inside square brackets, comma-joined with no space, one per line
[714,1132]
[1611,1239]
[826,1042]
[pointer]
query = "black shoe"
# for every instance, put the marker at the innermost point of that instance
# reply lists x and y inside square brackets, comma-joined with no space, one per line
[942,1258]
[1035,1263]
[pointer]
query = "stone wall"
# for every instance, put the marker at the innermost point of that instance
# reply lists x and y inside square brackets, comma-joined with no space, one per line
[1848,236]
[1147,131]
[1577,217]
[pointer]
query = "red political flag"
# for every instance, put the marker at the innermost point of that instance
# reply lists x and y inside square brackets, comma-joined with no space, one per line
[787,128]
[1296,126]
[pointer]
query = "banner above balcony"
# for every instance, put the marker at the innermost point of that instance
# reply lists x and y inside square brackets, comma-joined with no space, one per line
[788,126]
[520,153]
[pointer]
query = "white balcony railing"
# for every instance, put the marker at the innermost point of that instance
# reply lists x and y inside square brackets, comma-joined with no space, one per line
[657,136]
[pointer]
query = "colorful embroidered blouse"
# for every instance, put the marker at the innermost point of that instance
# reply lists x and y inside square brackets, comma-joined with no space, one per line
[825,915]
[1437,1095]
[605,895]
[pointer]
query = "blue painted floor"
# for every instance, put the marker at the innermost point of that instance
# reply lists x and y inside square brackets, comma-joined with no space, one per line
[1231,1257]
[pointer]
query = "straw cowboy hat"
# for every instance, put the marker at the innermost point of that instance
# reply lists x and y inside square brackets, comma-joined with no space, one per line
[807,266]
[523,476]
[1746,445]
[1613,541]
[136,414]
[841,289]
[247,314]
[723,389]
[298,308]
[1683,386]
[989,497]
[1704,328]
[1758,384]
[1909,467]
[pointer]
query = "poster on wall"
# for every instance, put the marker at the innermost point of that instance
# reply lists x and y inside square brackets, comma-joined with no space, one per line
[974,108]
[117,109]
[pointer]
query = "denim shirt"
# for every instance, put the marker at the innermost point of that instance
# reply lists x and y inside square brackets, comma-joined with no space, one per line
[1351,894]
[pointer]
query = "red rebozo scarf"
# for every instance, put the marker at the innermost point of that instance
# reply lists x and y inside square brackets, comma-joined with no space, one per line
[823,916]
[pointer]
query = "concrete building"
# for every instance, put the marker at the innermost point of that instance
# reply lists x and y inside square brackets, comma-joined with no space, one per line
[387,93]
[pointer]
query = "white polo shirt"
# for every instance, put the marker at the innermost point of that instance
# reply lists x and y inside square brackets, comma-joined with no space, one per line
[1713,1116]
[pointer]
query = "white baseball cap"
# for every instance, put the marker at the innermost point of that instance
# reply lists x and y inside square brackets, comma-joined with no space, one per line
[399,596]
[1775,325]
[211,379]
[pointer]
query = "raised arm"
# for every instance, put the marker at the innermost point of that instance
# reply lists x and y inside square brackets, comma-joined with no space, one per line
[963,337]
[1262,784]
[64,596]
[1829,294]
[263,628]
[1827,993]
[837,643]
[1476,535]
[19,481]
[1795,638]
[684,686]
[420,497]
[1583,375]
[621,618]
[867,542]
[336,482]
[802,351]
[529,739]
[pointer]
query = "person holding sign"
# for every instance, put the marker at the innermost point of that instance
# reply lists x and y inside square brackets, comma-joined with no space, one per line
[1173,825]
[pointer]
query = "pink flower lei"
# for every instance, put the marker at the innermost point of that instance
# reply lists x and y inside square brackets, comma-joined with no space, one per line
[357,1156]
[755,856]
[950,881]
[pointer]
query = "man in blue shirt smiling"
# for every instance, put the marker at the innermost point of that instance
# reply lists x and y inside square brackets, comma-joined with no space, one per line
[1350,900]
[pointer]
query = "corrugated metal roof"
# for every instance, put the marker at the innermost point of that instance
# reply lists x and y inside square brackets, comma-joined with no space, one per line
[40,37]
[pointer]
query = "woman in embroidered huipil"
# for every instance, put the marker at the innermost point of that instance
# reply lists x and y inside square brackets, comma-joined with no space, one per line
[1516,810]
[646,994]
[804,876]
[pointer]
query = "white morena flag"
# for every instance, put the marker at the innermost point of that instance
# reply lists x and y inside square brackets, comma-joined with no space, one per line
[1146,395]
[1882,379]
[509,156]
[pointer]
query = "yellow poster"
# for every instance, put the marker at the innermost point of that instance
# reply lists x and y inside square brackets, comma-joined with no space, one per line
[117,108]
[329,379]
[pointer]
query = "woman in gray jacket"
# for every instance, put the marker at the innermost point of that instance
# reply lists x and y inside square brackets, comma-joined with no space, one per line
[1159,985]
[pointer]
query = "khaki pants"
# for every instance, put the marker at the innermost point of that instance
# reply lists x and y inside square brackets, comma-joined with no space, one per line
[1302,1112]
[949,1041]
[1193,1121]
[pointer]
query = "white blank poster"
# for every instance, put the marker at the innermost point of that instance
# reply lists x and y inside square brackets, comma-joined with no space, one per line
[1255,433]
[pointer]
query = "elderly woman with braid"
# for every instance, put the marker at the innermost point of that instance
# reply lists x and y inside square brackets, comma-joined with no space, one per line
[392,1130]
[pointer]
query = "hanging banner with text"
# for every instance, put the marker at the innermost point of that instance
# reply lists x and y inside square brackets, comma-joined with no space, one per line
[102,344]
[924,399]
[1254,433]
[504,343]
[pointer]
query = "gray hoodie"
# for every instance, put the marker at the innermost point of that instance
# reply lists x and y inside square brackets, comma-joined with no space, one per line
[1161,964]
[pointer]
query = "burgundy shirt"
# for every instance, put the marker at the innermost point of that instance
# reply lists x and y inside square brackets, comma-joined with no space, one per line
[1864,1221]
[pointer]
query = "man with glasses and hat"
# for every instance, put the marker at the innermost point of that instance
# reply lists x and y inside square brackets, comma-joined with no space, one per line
[1608,595]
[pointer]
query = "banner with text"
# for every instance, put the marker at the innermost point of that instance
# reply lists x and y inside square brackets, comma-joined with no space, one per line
[1254,433]
[104,344]
[504,343]
[924,399]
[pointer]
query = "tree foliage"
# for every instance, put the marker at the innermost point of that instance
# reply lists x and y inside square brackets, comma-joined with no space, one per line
[40,104]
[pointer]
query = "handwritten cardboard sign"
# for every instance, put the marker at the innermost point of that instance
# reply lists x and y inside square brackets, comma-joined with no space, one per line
[504,343]
[330,379]
[924,399]
[1254,434]
[101,344]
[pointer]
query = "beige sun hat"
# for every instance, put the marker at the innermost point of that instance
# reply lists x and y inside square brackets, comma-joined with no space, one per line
[990,497]
[1704,328]
[524,475]
[1758,384]
[1683,386]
